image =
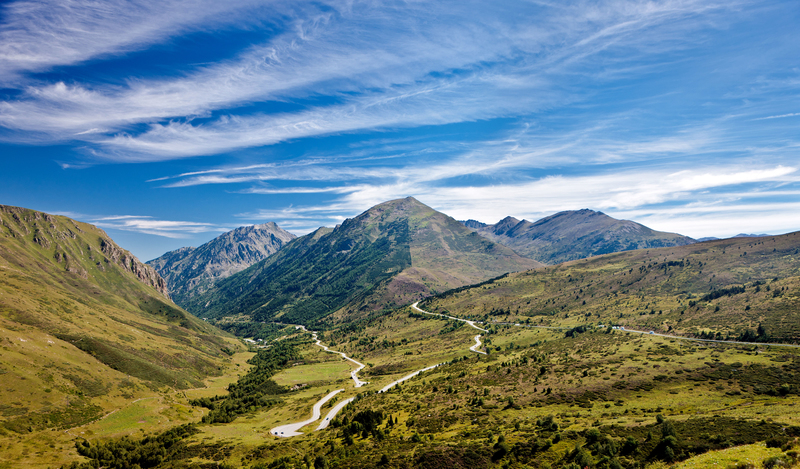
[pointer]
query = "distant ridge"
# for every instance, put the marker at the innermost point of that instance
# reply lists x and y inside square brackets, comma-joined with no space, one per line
[474,224]
[576,234]
[190,271]
[393,253]
[740,235]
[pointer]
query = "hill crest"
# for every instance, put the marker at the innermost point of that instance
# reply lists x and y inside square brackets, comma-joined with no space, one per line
[576,234]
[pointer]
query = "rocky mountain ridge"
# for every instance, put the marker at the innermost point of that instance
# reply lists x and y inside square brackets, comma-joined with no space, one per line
[191,270]
[48,232]
[575,234]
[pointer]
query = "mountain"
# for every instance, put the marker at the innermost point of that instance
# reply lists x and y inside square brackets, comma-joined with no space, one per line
[576,234]
[474,224]
[190,271]
[83,323]
[725,287]
[391,254]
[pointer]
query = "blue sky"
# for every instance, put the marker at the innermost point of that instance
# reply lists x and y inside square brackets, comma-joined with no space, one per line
[168,122]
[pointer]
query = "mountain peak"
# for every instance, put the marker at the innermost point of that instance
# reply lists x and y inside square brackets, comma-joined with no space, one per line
[392,254]
[474,224]
[576,234]
[192,270]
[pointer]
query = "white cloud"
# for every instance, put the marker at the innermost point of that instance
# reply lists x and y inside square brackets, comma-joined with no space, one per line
[150,225]
[423,64]
[39,35]
[781,116]
[721,221]
[640,194]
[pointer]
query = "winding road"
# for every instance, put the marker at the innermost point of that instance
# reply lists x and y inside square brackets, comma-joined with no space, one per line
[328,418]
[353,374]
[285,431]
[475,347]
[693,339]
[395,383]
[290,429]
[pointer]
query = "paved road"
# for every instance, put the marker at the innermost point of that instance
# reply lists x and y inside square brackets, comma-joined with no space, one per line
[395,383]
[354,373]
[475,347]
[290,429]
[328,418]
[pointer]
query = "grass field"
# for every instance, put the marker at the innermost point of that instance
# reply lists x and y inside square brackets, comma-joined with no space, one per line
[753,454]
[619,383]
[314,374]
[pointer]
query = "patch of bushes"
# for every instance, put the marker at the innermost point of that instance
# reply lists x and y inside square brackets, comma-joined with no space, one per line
[126,452]
[256,389]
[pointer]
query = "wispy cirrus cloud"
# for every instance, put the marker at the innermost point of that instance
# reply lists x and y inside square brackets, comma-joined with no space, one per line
[641,192]
[39,35]
[781,116]
[154,226]
[473,62]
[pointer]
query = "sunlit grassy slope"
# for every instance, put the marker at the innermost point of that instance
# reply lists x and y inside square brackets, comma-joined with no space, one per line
[726,287]
[85,328]
[538,399]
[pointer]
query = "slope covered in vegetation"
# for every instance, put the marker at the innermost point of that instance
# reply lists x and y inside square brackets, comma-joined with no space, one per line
[393,253]
[84,325]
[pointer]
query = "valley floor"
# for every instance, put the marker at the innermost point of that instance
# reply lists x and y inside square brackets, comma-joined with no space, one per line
[535,398]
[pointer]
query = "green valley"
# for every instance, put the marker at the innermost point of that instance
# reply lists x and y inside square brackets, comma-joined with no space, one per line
[565,371]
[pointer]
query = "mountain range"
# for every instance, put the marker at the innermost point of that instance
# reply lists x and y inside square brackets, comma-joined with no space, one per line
[575,234]
[393,253]
[189,270]
[93,345]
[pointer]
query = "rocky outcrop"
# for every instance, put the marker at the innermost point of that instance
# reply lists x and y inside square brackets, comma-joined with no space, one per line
[190,271]
[129,262]
[57,238]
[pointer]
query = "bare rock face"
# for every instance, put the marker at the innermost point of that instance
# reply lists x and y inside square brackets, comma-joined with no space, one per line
[190,271]
[129,262]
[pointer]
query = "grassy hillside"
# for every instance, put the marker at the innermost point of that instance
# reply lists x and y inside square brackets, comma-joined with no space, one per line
[722,288]
[602,399]
[85,326]
[566,395]
[394,253]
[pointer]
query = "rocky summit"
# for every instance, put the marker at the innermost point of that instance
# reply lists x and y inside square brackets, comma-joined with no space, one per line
[190,271]
[575,234]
